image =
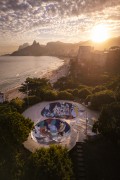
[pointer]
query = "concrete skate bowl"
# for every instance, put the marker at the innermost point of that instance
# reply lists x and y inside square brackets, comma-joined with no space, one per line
[60,110]
[50,131]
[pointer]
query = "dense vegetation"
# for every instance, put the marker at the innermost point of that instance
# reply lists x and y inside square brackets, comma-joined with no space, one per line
[16,161]
[14,130]
[89,83]
[97,85]
[51,163]
[108,123]
[97,95]
[38,90]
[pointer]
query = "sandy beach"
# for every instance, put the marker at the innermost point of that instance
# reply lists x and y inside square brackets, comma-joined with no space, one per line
[53,76]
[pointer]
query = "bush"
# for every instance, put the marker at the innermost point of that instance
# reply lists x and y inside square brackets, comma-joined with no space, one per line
[61,83]
[98,89]
[32,85]
[117,93]
[101,98]
[88,99]
[31,100]
[7,108]
[108,123]
[65,83]
[18,104]
[50,95]
[14,128]
[69,90]
[82,87]
[64,95]
[75,92]
[83,93]
[50,163]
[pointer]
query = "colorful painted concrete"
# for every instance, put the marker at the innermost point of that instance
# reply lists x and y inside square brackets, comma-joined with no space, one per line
[60,110]
[50,131]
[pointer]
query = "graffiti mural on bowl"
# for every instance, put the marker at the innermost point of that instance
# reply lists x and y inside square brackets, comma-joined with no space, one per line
[60,110]
[50,130]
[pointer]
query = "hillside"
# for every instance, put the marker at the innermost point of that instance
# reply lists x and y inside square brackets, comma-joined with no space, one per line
[62,49]
[51,49]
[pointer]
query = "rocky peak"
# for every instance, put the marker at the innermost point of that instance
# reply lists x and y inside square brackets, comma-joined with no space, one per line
[35,43]
[23,46]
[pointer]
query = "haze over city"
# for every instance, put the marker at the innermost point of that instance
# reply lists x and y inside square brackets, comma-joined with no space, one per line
[53,20]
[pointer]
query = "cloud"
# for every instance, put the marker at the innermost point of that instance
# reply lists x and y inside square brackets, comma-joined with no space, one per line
[28,19]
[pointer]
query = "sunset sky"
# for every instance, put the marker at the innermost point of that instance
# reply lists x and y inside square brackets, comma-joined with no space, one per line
[54,20]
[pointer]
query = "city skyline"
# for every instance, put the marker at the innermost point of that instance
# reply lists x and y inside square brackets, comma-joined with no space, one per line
[53,20]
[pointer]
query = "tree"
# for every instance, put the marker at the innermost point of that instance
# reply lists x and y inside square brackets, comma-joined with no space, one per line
[60,83]
[14,128]
[117,92]
[64,95]
[88,98]
[66,83]
[75,92]
[98,88]
[101,98]
[31,100]
[6,108]
[50,163]
[108,123]
[69,90]
[32,85]
[18,104]
[83,93]
[50,95]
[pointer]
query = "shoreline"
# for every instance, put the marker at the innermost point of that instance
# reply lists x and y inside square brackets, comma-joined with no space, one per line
[61,71]
[53,76]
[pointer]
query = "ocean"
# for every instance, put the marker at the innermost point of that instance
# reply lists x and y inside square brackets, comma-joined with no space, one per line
[15,69]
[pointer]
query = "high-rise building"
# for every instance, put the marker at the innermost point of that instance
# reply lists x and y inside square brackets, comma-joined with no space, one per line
[84,53]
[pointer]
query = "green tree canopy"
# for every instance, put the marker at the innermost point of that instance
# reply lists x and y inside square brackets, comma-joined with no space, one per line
[50,163]
[18,104]
[14,128]
[7,108]
[66,83]
[83,93]
[64,95]
[117,92]
[75,92]
[32,85]
[50,95]
[103,97]
[108,123]
[98,88]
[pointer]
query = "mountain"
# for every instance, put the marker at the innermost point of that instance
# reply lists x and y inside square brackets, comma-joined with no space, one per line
[51,49]
[62,49]
[23,46]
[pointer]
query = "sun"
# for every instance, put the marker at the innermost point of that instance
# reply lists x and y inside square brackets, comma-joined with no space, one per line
[100,33]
